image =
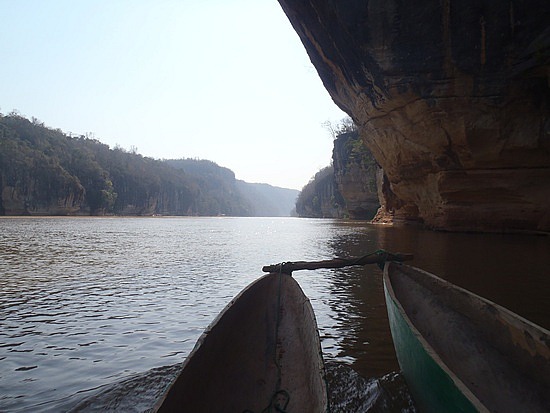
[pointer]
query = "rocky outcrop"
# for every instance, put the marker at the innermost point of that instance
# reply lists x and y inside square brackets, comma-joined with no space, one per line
[15,202]
[355,172]
[46,191]
[451,97]
[320,198]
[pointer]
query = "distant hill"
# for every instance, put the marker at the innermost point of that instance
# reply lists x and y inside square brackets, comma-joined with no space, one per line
[262,199]
[269,201]
[45,172]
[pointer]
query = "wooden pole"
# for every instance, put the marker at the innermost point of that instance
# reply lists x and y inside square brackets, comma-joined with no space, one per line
[378,257]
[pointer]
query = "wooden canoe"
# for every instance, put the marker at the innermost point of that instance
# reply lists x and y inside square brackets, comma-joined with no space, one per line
[262,353]
[462,353]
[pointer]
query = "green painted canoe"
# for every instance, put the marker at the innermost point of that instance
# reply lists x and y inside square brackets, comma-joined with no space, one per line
[462,353]
[261,354]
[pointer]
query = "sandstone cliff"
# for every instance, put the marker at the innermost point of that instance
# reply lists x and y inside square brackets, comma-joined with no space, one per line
[348,188]
[355,173]
[320,198]
[451,97]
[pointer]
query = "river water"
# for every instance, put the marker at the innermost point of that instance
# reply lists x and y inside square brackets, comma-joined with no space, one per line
[97,313]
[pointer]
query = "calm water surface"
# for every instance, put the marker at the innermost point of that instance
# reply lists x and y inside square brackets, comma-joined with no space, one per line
[95,311]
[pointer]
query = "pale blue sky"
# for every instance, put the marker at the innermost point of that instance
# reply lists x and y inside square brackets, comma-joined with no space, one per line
[224,80]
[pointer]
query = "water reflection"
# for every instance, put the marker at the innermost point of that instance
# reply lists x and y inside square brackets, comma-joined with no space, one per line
[511,270]
[357,302]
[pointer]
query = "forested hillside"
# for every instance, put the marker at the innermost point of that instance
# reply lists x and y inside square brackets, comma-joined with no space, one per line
[45,172]
[219,185]
[218,193]
[269,201]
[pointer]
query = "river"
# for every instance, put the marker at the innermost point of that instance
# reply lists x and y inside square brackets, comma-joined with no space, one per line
[97,313]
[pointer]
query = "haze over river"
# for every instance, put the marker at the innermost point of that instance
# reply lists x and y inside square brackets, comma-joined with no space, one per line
[96,313]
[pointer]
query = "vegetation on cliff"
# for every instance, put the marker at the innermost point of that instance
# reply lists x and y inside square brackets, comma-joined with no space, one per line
[320,197]
[347,188]
[45,172]
[356,175]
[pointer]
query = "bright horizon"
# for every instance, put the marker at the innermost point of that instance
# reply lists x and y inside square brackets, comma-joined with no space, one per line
[227,81]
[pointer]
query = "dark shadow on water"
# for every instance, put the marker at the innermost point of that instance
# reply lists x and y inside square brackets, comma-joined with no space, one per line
[348,392]
[136,394]
[351,393]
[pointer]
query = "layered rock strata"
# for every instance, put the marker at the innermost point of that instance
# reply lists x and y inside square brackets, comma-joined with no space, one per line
[451,97]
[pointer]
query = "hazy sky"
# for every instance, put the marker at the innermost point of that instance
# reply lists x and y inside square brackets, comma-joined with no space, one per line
[224,80]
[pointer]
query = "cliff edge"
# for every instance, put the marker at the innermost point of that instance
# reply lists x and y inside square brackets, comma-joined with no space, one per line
[452,98]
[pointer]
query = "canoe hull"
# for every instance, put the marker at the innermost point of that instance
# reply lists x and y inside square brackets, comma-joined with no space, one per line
[421,371]
[450,341]
[262,349]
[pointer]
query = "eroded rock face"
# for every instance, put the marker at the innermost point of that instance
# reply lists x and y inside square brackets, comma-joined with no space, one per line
[18,200]
[452,98]
[355,173]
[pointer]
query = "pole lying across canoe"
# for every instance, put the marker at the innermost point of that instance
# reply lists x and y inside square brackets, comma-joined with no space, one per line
[261,354]
[458,352]
[379,257]
[462,353]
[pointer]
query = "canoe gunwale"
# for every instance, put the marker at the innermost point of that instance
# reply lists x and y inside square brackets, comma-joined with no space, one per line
[199,343]
[263,343]
[427,346]
[501,355]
